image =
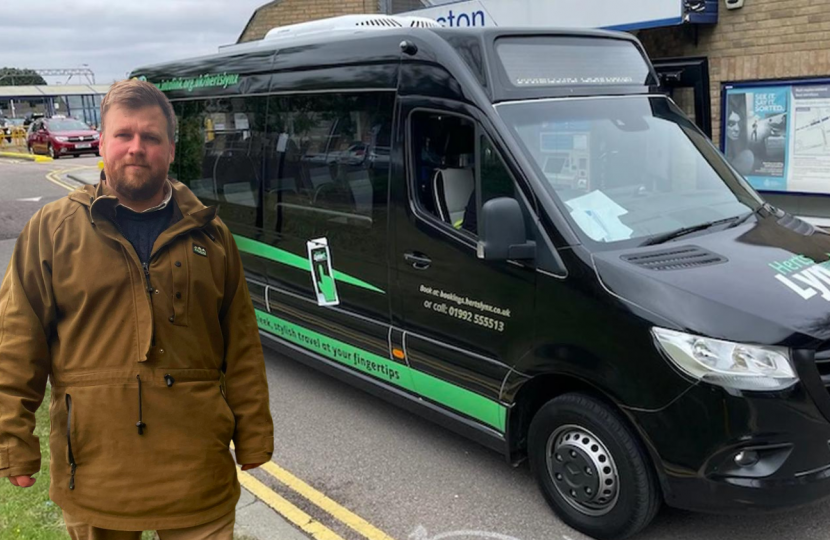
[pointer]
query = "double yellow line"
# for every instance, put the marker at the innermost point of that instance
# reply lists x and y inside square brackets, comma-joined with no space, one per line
[280,504]
[299,518]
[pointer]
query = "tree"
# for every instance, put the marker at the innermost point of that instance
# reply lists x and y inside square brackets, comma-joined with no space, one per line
[19,77]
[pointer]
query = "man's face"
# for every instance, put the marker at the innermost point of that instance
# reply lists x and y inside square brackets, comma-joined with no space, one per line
[137,151]
[733,126]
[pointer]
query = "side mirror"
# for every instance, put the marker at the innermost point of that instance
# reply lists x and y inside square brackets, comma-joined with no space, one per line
[503,234]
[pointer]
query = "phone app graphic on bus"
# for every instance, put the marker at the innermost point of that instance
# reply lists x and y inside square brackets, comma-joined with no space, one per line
[321,273]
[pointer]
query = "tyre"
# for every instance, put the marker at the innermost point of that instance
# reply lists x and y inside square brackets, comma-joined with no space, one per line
[51,151]
[591,468]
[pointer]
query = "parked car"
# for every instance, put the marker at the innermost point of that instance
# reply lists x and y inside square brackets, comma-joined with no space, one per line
[59,137]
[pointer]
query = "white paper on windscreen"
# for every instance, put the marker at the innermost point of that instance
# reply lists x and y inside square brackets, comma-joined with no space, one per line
[599,217]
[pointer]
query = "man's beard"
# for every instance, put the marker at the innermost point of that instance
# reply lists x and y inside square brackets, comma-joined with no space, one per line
[139,187]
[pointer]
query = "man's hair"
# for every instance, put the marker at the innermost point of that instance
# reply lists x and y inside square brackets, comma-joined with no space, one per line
[136,94]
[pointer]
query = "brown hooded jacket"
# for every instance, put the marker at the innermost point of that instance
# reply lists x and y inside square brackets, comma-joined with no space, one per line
[154,370]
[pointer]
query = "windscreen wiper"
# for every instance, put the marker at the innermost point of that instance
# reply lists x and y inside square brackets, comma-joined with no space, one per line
[671,235]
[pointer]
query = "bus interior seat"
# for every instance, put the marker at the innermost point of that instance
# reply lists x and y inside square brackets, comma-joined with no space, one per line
[452,189]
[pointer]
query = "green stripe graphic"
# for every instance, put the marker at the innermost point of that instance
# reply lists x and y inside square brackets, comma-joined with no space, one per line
[473,405]
[281,256]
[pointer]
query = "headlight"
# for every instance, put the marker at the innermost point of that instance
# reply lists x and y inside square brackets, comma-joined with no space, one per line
[61,139]
[95,136]
[733,365]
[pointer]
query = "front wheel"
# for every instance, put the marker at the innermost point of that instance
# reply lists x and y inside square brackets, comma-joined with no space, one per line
[51,151]
[591,468]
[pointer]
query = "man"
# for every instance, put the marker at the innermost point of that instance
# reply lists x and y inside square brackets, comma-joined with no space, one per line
[130,296]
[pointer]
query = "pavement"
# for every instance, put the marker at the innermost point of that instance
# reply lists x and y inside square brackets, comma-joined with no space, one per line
[24,155]
[258,521]
[85,176]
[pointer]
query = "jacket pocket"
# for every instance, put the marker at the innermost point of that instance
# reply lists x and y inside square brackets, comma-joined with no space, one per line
[70,454]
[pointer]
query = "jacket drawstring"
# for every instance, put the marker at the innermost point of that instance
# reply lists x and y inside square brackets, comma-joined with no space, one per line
[140,425]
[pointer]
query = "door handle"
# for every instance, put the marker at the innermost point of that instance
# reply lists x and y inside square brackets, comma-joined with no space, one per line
[419,261]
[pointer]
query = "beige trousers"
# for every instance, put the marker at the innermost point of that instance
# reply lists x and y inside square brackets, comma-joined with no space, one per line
[220,529]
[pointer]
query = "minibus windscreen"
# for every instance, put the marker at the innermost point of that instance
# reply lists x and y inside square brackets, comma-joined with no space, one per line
[572,61]
[627,168]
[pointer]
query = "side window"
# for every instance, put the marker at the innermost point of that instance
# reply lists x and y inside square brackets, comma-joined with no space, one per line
[219,154]
[449,171]
[327,168]
[442,147]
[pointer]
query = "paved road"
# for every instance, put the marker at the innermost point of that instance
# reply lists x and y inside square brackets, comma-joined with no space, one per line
[411,479]
[23,190]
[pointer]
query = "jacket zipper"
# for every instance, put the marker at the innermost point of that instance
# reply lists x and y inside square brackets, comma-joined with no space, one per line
[140,424]
[72,463]
[152,311]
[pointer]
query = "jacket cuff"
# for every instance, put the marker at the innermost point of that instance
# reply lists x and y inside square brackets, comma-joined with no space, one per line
[248,458]
[27,468]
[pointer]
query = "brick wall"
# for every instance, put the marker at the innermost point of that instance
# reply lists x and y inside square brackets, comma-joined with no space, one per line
[766,39]
[283,12]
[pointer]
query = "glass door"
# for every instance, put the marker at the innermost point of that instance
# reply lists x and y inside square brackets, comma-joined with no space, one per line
[686,81]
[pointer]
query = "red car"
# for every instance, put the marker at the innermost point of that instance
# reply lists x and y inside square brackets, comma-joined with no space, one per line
[58,137]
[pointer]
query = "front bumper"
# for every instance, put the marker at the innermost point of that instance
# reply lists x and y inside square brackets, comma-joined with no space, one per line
[71,148]
[694,442]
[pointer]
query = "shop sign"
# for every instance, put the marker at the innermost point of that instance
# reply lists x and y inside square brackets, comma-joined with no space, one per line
[611,14]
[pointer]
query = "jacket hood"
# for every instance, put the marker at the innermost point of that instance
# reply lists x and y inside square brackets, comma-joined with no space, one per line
[766,282]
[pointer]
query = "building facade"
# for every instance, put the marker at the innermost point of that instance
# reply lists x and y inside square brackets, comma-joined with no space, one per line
[769,55]
[285,12]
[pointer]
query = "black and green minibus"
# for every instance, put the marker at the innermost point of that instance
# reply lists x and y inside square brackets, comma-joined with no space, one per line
[516,234]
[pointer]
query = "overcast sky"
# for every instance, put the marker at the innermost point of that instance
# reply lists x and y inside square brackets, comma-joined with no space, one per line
[115,36]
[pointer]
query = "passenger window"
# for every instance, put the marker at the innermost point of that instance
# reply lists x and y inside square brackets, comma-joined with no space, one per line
[444,155]
[443,152]
[219,154]
[327,168]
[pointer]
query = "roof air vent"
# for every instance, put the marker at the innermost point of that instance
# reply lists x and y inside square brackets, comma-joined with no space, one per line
[349,22]
[680,258]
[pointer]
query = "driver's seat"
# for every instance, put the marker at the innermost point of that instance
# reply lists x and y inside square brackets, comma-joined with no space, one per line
[451,189]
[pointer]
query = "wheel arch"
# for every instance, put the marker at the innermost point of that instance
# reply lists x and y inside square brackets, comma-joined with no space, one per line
[535,391]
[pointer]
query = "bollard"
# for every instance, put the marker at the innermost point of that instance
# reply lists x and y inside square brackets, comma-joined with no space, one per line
[19,136]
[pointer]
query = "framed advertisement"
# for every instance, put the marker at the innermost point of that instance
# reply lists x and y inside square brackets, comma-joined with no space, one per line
[777,134]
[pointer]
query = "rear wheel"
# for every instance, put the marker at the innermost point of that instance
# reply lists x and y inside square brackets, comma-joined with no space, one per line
[591,468]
